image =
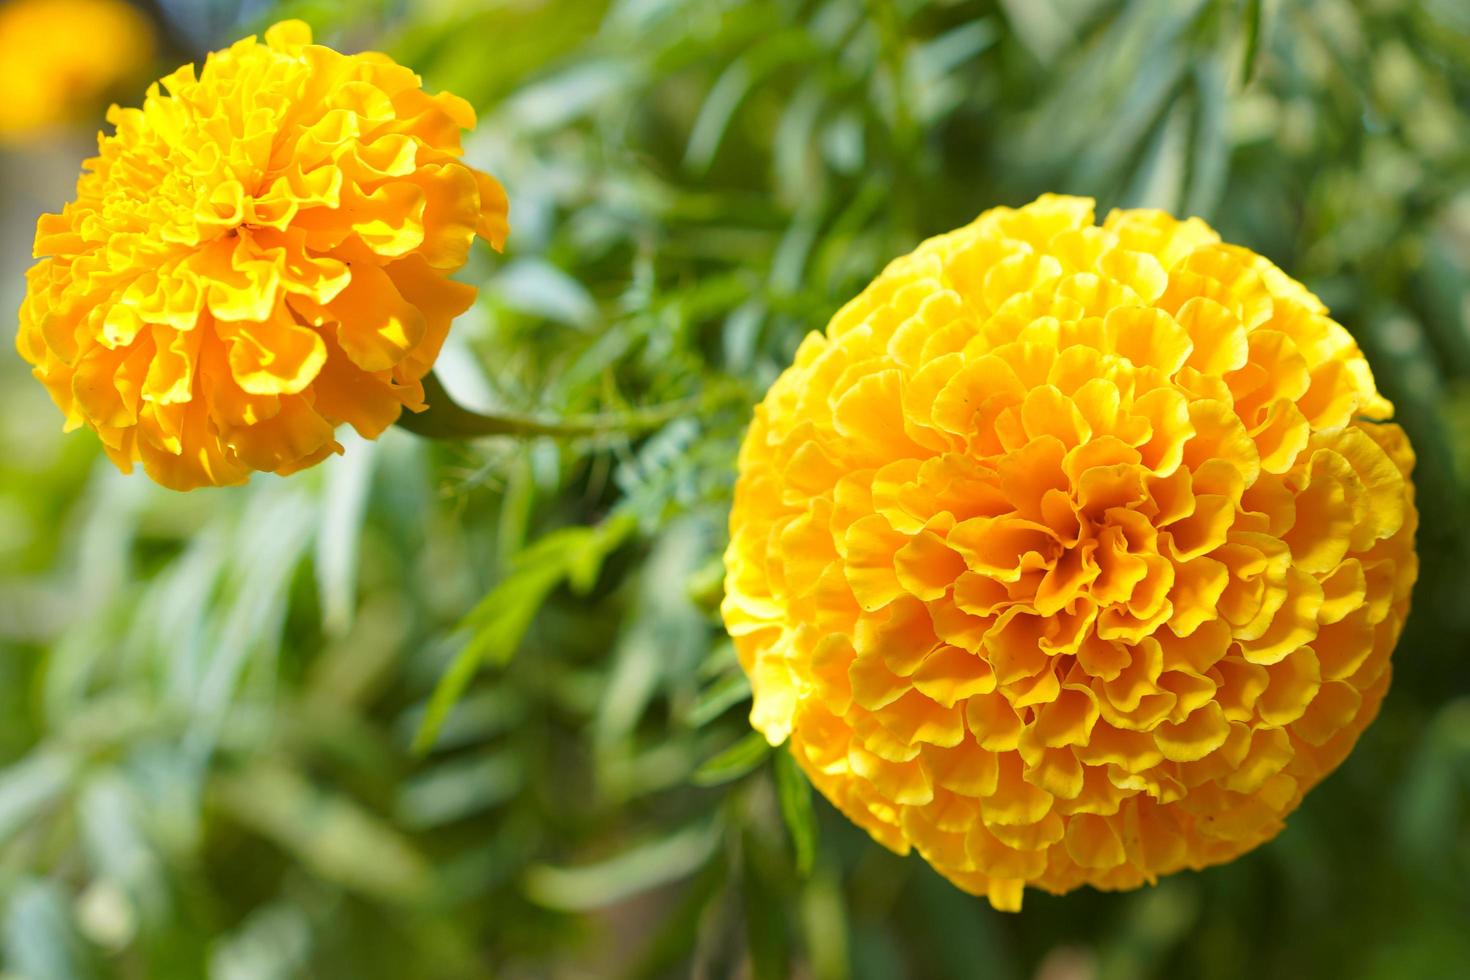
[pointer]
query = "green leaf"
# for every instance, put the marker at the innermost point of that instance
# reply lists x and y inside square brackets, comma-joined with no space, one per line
[719,107]
[662,631]
[795,795]
[718,698]
[343,508]
[538,288]
[1432,800]
[732,87]
[460,788]
[1254,14]
[272,944]
[766,903]
[1041,25]
[30,786]
[40,938]
[825,928]
[595,886]
[733,762]
[500,620]
[1209,157]
[329,833]
[1160,170]
[680,930]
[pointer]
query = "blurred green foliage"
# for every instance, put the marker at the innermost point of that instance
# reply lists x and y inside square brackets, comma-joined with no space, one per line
[212,701]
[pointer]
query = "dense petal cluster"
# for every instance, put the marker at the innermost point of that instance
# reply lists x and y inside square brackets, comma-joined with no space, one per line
[259,254]
[1071,554]
[62,57]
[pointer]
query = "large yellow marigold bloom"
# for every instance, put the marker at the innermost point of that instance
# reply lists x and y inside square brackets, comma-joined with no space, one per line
[255,257]
[1071,554]
[61,58]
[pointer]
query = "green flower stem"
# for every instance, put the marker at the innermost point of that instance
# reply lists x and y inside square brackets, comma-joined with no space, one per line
[447,419]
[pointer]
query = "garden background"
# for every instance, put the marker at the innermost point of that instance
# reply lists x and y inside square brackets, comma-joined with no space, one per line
[221,752]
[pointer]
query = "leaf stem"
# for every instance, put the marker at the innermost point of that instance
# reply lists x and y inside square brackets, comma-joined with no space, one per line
[447,419]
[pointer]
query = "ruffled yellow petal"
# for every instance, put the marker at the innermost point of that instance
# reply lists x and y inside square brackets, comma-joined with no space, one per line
[259,254]
[1120,558]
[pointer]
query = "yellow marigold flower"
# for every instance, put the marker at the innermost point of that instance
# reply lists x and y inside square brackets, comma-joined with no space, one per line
[62,57]
[1071,554]
[255,257]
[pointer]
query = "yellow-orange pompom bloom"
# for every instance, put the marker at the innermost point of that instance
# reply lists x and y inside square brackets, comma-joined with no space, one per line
[60,58]
[256,256]
[1071,554]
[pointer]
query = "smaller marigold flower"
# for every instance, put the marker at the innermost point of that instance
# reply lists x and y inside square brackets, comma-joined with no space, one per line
[62,57]
[1071,554]
[259,254]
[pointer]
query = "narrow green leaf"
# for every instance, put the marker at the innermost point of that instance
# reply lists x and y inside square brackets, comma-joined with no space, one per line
[584,564]
[795,795]
[731,89]
[1160,169]
[329,833]
[40,937]
[519,596]
[556,101]
[1041,25]
[719,697]
[734,762]
[343,509]
[537,288]
[766,902]
[647,866]
[797,171]
[714,117]
[720,659]
[500,620]
[1252,28]
[661,631]
[1209,156]
[273,943]
[31,785]
[680,931]
[825,928]
[459,788]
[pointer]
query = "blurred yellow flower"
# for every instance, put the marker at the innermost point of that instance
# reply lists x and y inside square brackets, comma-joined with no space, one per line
[1071,554]
[255,257]
[62,57]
